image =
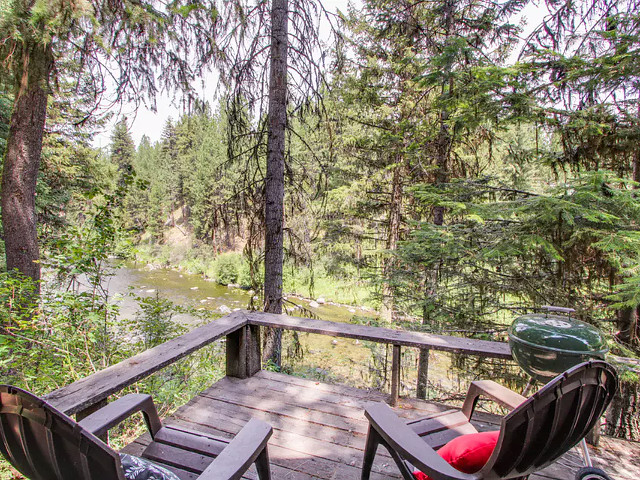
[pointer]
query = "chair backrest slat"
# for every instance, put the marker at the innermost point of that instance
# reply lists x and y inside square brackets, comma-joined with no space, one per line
[10,415]
[44,444]
[552,421]
[25,431]
[576,414]
[540,421]
[529,437]
[53,459]
[557,424]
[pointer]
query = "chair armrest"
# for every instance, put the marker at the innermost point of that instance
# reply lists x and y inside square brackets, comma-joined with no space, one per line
[398,437]
[241,452]
[115,412]
[492,390]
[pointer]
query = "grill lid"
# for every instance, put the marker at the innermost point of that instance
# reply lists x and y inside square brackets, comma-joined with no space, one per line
[554,332]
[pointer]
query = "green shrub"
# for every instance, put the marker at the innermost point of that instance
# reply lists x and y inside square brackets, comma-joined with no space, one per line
[194,265]
[154,320]
[227,267]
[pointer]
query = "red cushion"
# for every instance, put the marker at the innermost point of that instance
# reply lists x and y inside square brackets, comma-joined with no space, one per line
[467,453]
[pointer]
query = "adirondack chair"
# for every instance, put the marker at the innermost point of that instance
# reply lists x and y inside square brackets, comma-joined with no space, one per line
[534,434]
[43,443]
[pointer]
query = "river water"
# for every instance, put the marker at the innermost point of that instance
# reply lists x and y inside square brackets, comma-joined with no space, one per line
[191,290]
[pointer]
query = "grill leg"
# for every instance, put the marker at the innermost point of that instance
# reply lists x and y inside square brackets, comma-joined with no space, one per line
[585,453]
[528,387]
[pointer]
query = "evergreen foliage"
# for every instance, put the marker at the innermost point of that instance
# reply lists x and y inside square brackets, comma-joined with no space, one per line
[122,147]
[85,48]
[520,249]
[454,185]
[417,102]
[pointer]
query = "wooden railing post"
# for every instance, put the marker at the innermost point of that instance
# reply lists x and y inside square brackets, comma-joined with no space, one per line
[423,374]
[254,354]
[243,352]
[395,376]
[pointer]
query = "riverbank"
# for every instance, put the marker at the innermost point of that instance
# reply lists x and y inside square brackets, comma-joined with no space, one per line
[232,269]
[131,280]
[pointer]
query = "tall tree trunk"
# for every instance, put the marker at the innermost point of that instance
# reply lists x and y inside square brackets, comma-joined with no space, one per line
[623,415]
[274,184]
[423,357]
[22,161]
[431,281]
[443,147]
[395,216]
[627,322]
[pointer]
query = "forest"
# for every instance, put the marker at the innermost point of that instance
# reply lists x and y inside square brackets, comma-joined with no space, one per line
[449,164]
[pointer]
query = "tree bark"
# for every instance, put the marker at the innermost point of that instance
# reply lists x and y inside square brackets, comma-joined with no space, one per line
[623,415]
[422,382]
[636,167]
[627,318]
[431,281]
[395,216]
[22,161]
[443,147]
[627,322]
[274,184]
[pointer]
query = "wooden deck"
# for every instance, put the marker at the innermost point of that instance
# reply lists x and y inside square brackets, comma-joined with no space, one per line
[319,429]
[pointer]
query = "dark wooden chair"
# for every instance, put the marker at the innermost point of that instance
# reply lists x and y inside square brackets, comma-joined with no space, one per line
[43,443]
[534,434]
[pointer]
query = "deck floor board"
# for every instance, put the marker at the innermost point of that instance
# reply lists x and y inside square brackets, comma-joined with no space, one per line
[320,429]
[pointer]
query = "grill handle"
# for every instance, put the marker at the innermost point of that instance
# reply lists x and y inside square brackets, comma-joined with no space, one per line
[552,308]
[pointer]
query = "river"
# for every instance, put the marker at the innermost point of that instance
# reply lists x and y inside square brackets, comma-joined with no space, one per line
[193,290]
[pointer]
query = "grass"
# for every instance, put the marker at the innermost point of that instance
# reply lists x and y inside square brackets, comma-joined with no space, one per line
[302,281]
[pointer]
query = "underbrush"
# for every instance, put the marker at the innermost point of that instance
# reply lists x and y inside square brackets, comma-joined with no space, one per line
[225,268]
[318,283]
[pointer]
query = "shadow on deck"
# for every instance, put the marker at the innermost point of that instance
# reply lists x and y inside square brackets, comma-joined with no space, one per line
[320,429]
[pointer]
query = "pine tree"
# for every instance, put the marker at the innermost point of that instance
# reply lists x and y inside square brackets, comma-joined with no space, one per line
[581,65]
[265,44]
[39,39]
[122,147]
[417,65]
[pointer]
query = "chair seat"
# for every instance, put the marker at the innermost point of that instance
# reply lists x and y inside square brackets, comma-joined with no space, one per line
[184,451]
[440,428]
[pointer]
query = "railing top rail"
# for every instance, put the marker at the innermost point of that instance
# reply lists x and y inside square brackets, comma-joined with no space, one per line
[97,387]
[445,343]
[90,390]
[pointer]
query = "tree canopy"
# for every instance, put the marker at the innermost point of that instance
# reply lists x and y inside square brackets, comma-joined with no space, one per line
[430,160]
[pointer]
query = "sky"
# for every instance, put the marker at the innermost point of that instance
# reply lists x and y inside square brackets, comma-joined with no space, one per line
[143,121]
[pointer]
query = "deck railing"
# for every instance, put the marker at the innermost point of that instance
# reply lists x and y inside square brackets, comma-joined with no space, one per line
[243,358]
[397,338]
